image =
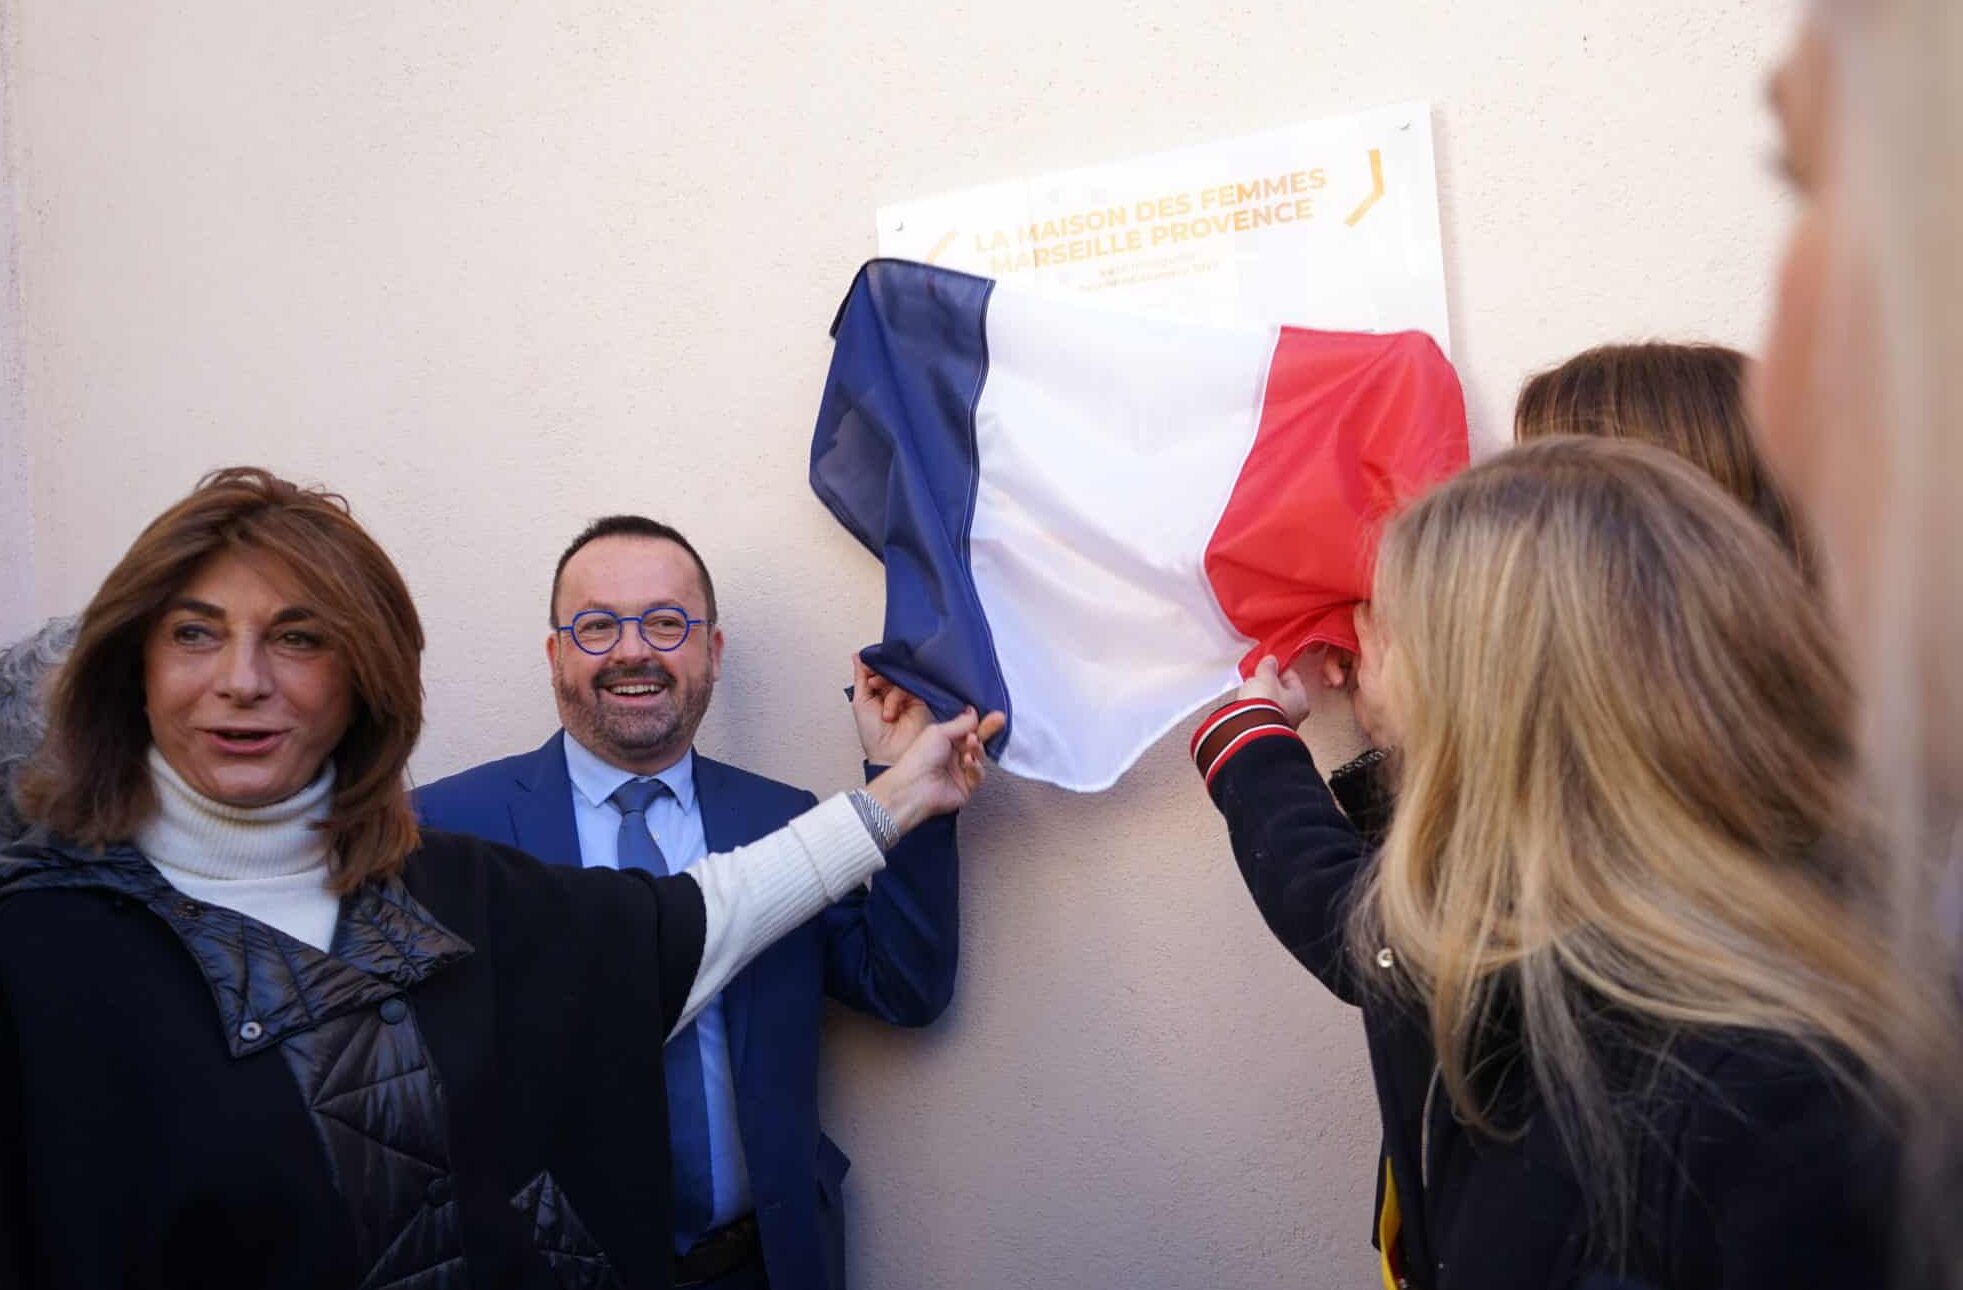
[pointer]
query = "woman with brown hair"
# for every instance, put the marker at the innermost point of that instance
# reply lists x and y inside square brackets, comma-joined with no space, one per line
[257,1030]
[1687,398]
[1622,958]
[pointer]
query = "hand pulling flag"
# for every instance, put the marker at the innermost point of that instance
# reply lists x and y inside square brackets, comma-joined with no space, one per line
[1097,521]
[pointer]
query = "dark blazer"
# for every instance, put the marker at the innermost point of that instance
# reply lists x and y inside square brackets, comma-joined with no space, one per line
[457,1094]
[889,951]
[1756,1170]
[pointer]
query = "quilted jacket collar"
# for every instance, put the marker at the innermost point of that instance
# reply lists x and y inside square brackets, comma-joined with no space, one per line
[266,985]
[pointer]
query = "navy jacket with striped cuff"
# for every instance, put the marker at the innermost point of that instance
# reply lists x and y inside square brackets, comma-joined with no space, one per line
[1232,728]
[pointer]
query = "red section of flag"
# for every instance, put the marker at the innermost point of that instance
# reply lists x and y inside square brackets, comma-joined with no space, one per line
[1353,426]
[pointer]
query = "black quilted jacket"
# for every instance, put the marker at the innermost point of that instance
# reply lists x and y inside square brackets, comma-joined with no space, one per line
[466,1092]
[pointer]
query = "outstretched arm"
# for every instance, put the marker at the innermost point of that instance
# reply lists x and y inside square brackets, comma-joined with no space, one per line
[755,894]
[891,948]
[1298,853]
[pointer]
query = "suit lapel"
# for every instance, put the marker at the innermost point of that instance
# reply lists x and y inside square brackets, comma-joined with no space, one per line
[542,807]
[722,830]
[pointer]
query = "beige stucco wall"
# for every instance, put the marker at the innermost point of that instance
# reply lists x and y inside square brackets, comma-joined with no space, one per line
[16,500]
[492,267]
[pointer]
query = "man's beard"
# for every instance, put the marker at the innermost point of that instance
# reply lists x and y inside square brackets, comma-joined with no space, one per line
[624,735]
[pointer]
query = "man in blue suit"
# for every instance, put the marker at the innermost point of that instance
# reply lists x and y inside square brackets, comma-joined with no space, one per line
[635,653]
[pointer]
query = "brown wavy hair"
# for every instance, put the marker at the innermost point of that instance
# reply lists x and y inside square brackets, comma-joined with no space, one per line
[1688,398]
[90,781]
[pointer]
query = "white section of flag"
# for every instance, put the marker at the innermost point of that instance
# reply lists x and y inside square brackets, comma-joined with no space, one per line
[1108,445]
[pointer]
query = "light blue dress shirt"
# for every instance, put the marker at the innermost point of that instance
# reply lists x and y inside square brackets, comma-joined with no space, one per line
[675,819]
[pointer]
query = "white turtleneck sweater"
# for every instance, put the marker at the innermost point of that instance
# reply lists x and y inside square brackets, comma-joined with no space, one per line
[270,863]
[267,862]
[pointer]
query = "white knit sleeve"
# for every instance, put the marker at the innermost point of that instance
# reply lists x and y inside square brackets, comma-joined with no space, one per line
[755,894]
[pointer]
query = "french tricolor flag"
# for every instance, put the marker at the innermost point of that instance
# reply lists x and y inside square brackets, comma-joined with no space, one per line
[1098,521]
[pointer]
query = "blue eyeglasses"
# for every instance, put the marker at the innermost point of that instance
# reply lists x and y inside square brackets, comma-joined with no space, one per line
[665,627]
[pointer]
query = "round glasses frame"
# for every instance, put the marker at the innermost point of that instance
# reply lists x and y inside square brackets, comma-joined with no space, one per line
[594,617]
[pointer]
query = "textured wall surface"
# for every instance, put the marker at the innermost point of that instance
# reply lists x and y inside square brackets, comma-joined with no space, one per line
[492,267]
[16,498]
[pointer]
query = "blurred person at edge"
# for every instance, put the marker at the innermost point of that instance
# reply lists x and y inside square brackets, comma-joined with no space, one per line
[259,1030]
[1859,409]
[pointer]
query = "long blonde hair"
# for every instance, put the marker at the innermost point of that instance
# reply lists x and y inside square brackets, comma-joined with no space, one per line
[1627,787]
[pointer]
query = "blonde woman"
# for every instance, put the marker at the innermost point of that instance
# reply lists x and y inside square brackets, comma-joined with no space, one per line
[1621,967]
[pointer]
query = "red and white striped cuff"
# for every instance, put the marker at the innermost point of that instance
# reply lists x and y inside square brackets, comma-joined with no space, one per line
[1233,728]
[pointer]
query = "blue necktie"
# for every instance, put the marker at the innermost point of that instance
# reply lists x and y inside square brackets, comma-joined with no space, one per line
[688,1096]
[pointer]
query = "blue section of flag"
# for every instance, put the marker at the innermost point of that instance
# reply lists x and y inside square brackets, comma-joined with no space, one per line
[893,457]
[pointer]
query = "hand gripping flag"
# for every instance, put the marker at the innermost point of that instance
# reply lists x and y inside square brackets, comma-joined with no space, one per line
[1097,521]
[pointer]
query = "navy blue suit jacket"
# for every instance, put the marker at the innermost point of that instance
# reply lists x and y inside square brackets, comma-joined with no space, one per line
[889,952]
